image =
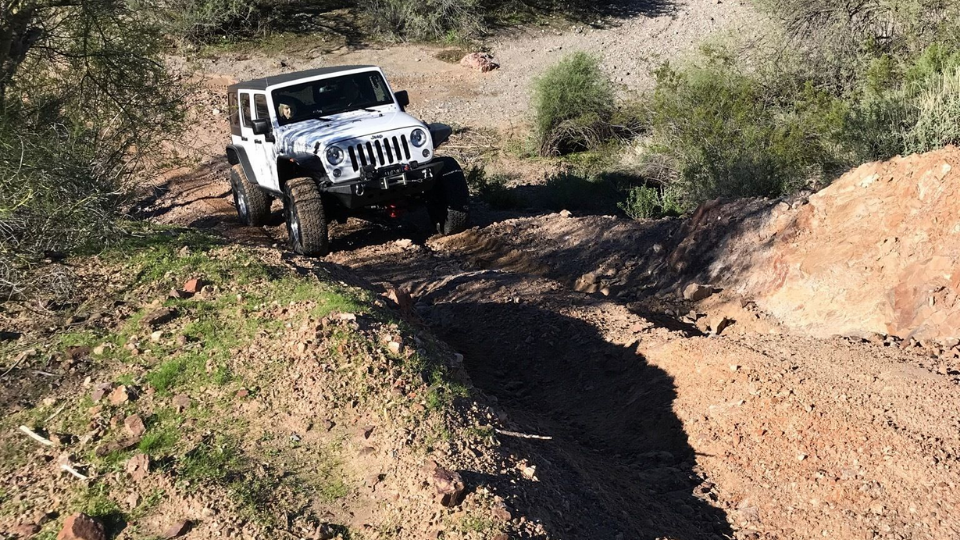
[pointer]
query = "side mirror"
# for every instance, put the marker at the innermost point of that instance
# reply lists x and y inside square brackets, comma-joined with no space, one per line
[261,127]
[403,99]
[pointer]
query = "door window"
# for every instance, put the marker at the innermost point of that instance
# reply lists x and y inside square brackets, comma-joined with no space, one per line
[234,110]
[245,110]
[260,107]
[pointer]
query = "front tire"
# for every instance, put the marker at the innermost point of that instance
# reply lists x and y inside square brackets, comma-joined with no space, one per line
[251,202]
[449,201]
[306,217]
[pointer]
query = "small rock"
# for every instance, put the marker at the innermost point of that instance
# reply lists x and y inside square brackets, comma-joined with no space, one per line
[325,531]
[373,480]
[156,336]
[99,391]
[102,348]
[479,61]
[395,347]
[404,243]
[193,286]
[720,324]
[402,298]
[132,500]
[242,393]
[158,317]
[449,485]
[81,527]
[111,447]
[119,396]
[176,529]
[696,292]
[181,402]
[502,513]
[565,213]
[176,294]
[367,431]
[328,425]
[134,425]
[529,472]
[25,530]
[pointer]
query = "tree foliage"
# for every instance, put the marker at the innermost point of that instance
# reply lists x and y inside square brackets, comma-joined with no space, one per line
[84,96]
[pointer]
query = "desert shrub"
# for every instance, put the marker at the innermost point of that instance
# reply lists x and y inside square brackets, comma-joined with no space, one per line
[202,21]
[649,202]
[79,109]
[493,190]
[574,106]
[938,114]
[643,202]
[904,105]
[719,133]
[580,190]
[424,19]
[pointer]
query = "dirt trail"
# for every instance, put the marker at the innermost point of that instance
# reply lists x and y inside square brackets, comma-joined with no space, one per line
[659,430]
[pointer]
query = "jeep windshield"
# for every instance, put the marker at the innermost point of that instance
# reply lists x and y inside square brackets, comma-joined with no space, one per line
[334,95]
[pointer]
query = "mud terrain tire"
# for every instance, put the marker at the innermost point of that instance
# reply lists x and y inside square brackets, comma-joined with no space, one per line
[449,201]
[251,202]
[306,218]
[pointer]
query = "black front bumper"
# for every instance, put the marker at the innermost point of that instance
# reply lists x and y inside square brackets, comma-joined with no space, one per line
[379,186]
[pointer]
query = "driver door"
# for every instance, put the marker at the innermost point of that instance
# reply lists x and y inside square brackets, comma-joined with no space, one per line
[264,146]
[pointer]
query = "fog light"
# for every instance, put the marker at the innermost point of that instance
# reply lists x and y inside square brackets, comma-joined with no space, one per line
[336,173]
[426,153]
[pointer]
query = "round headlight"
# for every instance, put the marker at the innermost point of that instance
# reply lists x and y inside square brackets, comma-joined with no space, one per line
[418,137]
[335,155]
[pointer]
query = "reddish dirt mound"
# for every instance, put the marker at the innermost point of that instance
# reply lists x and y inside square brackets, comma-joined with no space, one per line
[877,251]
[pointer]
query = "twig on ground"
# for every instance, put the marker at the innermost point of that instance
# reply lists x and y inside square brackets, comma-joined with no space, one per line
[73,471]
[54,415]
[33,435]
[523,435]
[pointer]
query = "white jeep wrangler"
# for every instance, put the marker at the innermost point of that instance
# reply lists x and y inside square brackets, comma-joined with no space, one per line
[330,141]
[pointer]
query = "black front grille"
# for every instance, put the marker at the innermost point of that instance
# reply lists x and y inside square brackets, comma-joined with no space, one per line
[380,152]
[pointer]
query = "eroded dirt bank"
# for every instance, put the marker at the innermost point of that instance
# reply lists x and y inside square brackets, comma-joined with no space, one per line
[659,428]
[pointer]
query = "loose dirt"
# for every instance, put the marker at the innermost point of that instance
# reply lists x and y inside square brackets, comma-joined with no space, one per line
[659,428]
[576,327]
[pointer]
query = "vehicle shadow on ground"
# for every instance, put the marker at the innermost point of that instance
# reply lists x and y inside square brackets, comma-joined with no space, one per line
[619,462]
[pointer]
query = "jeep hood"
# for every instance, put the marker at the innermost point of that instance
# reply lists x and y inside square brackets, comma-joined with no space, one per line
[304,137]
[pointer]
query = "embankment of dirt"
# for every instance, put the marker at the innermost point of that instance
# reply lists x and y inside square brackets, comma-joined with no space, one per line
[875,252]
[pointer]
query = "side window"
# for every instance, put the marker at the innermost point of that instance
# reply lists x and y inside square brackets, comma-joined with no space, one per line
[245,110]
[260,104]
[233,110]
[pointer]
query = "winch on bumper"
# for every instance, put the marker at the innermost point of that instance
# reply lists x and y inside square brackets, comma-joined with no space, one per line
[378,185]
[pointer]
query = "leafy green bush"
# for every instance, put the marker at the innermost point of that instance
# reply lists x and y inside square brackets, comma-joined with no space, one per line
[938,114]
[574,106]
[648,202]
[722,134]
[424,19]
[80,109]
[202,21]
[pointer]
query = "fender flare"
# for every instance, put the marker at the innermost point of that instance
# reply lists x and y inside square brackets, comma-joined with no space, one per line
[238,155]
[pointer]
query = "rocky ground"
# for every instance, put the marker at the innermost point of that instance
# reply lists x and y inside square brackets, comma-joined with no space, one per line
[644,394]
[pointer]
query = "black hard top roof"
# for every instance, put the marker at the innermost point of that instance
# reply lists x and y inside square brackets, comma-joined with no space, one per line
[262,84]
